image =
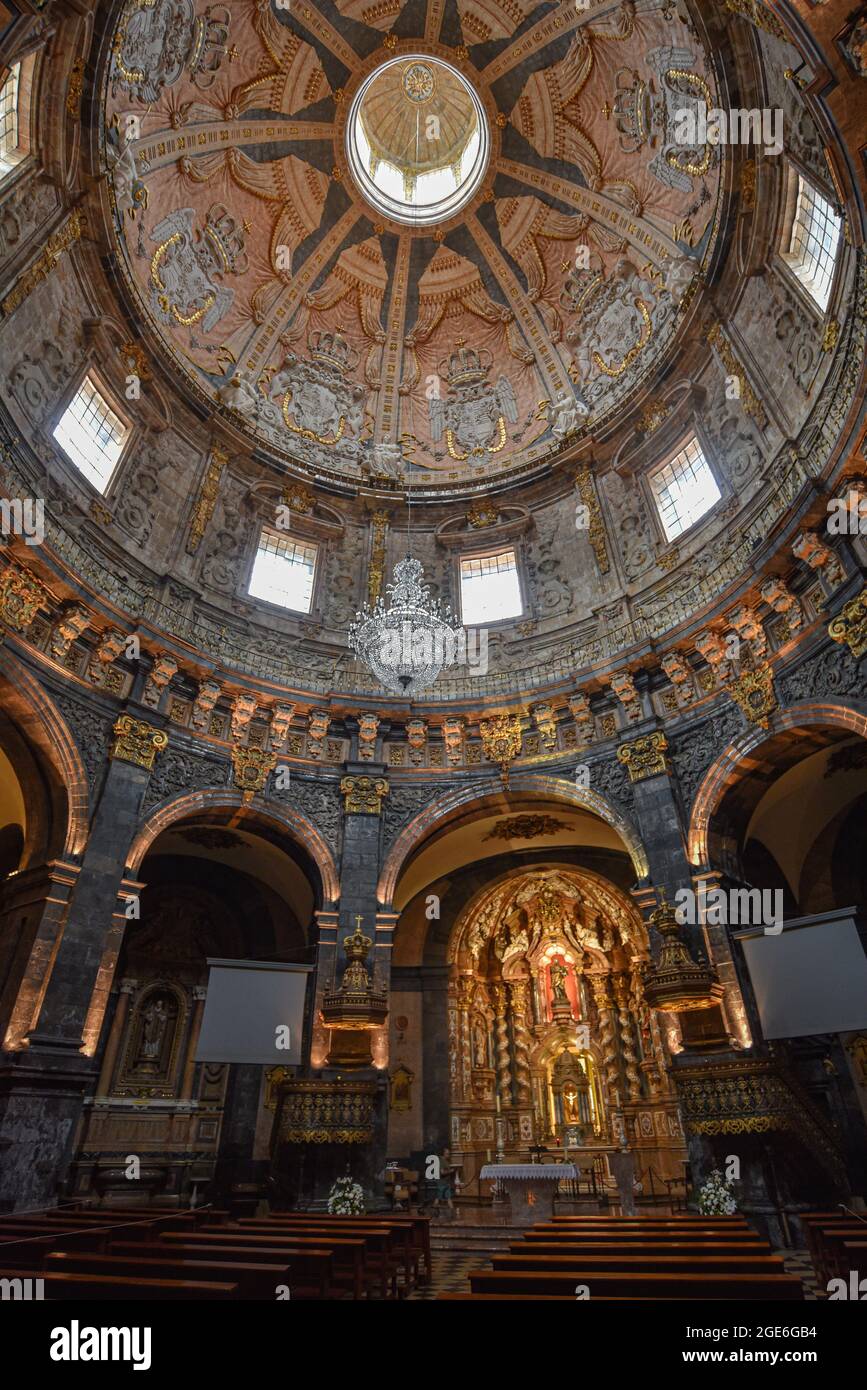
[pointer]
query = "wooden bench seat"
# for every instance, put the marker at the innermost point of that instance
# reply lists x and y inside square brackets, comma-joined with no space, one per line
[311,1270]
[399,1254]
[59,1285]
[695,1236]
[690,1249]
[350,1253]
[255,1281]
[646,1263]
[686,1286]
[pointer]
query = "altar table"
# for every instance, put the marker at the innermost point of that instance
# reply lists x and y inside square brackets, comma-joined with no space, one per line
[530,1187]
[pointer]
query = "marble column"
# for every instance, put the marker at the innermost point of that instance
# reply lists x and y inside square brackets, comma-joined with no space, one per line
[501,1041]
[200,994]
[523,1088]
[121,1013]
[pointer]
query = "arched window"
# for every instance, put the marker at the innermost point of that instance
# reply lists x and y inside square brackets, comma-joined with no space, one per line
[684,489]
[91,435]
[15,90]
[811,236]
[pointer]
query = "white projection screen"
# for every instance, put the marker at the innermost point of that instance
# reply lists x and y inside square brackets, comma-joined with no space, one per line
[810,979]
[246,1003]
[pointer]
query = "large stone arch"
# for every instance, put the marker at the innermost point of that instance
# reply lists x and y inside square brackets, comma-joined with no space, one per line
[480,794]
[284,817]
[39,723]
[735,761]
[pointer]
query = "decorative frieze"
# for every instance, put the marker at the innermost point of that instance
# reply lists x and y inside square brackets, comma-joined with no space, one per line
[243,709]
[251,768]
[207,499]
[501,741]
[416,737]
[327,1112]
[780,598]
[71,623]
[368,724]
[363,796]
[281,719]
[454,732]
[810,548]
[22,595]
[318,722]
[376,574]
[108,649]
[680,675]
[207,696]
[596,527]
[579,708]
[754,693]
[748,398]
[746,624]
[644,757]
[850,625]
[137,742]
[55,248]
[624,688]
[546,722]
[163,670]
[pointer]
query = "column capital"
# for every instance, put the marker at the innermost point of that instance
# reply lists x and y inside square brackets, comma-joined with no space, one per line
[137,742]
[363,796]
[645,757]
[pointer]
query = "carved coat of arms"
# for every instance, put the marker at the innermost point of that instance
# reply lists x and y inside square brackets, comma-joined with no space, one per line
[190,263]
[314,396]
[156,39]
[474,415]
[616,322]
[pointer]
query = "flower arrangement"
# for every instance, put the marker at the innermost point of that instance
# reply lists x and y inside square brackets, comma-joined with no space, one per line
[715,1196]
[346,1198]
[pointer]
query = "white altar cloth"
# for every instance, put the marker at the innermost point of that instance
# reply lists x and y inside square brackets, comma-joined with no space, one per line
[530,1172]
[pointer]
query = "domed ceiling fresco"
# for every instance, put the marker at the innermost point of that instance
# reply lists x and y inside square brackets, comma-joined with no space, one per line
[437,237]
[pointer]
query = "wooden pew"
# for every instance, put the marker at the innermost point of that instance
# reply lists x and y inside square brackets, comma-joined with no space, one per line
[310,1270]
[631,1285]
[691,1249]
[696,1236]
[825,1243]
[59,1285]
[641,1264]
[255,1281]
[350,1253]
[418,1227]
[399,1251]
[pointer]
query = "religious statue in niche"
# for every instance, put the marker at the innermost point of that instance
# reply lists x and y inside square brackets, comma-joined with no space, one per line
[559,975]
[153,1037]
[480,1043]
[154,1022]
[401,1088]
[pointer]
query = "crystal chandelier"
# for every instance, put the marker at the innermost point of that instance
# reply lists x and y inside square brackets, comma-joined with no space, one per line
[408,643]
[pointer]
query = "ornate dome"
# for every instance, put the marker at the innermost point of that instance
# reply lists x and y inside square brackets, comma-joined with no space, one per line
[276,175]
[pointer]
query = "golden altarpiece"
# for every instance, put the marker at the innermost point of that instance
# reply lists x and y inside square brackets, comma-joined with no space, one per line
[551,1041]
